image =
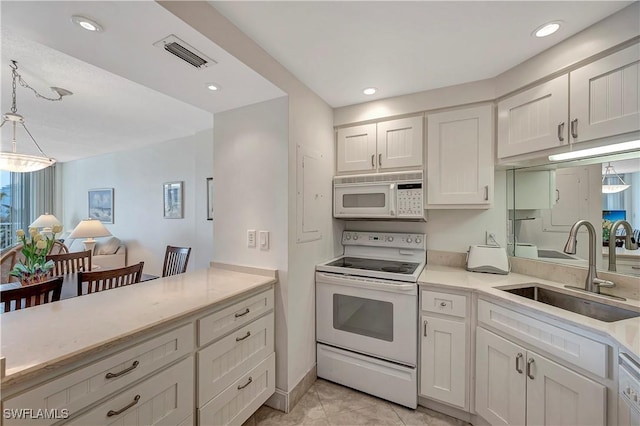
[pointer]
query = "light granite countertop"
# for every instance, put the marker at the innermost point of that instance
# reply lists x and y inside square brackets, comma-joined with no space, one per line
[53,335]
[625,333]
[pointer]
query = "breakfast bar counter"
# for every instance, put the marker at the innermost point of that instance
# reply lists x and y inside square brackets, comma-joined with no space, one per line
[51,336]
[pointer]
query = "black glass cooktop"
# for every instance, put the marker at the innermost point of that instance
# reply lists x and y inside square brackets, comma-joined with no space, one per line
[393,266]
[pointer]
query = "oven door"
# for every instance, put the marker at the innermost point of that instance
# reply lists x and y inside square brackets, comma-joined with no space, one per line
[366,200]
[368,316]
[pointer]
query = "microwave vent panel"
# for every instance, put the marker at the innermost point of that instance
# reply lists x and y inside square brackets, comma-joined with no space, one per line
[380,177]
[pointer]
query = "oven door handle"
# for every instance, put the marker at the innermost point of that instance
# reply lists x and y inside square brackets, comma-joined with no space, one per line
[360,282]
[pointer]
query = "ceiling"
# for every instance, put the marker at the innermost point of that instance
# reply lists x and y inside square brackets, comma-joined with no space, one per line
[129,93]
[338,48]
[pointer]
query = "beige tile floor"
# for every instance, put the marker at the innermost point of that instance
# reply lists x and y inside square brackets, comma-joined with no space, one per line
[327,403]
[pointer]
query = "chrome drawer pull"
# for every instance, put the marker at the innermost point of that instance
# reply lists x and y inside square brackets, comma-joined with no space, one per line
[243,314]
[112,413]
[238,339]
[380,160]
[443,304]
[373,164]
[574,128]
[126,370]
[425,327]
[529,364]
[246,384]
[518,358]
[561,132]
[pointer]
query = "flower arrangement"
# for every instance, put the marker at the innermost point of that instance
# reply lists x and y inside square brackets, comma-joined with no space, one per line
[35,247]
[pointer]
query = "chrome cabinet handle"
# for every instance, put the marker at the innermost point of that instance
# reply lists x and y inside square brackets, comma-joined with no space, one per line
[239,339]
[126,370]
[373,164]
[112,413]
[425,327]
[574,128]
[246,311]
[518,358]
[557,195]
[443,304]
[380,160]
[246,384]
[486,192]
[561,132]
[529,364]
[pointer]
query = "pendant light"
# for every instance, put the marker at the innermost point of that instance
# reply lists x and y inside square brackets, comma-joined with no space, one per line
[12,161]
[607,186]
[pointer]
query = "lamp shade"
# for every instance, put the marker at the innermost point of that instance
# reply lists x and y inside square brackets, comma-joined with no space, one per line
[46,220]
[89,228]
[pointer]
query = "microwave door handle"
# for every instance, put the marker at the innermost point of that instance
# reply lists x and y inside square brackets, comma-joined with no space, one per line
[393,193]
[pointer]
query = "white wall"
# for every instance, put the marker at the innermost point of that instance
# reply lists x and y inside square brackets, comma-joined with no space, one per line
[136,178]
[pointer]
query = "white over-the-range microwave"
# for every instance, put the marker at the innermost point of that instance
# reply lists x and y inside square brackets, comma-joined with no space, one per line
[398,195]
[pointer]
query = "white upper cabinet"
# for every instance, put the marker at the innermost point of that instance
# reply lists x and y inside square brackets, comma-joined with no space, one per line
[356,149]
[388,145]
[400,143]
[460,158]
[596,101]
[535,119]
[604,96]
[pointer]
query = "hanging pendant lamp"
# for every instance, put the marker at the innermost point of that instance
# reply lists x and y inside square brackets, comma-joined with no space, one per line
[612,188]
[13,161]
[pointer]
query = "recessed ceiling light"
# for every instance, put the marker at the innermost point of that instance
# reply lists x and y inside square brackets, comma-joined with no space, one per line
[86,23]
[213,87]
[547,29]
[369,90]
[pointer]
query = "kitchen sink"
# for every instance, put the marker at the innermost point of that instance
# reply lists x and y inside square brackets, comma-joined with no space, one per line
[578,305]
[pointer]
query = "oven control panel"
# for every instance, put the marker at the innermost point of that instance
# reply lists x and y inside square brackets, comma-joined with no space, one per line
[384,239]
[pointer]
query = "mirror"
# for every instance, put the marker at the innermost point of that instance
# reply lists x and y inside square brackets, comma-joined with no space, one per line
[545,201]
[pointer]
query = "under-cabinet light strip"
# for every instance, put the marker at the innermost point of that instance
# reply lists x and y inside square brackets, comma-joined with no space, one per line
[591,152]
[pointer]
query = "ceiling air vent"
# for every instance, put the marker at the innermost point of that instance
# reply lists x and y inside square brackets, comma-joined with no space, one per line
[184,51]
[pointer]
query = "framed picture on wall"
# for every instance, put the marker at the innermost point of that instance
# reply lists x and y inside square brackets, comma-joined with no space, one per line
[209,198]
[101,204]
[173,204]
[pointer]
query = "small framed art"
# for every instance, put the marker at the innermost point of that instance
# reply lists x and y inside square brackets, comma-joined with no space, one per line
[101,204]
[173,203]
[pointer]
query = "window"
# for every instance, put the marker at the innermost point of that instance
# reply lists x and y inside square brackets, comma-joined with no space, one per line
[24,197]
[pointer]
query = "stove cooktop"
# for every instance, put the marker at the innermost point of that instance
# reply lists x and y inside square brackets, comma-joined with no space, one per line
[380,265]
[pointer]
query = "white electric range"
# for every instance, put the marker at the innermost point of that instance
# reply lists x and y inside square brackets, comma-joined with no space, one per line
[367,314]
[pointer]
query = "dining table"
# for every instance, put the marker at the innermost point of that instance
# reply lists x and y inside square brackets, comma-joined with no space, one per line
[69,285]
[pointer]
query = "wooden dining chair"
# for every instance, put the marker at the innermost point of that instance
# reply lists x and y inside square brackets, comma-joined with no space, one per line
[109,279]
[175,260]
[70,263]
[31,295]
[8,259]
[58,247]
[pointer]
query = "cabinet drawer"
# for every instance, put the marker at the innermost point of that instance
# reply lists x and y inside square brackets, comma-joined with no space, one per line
[165,398]
[222,322]
[78,389]
[225,361]
[578,350]
[240,400]
[444,303]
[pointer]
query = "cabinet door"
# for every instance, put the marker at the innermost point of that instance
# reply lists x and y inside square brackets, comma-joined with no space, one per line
[356,148]
[604,96]
[460,157]
[557,396]
[400,143]
[443,360]
[500,380]
[535,119]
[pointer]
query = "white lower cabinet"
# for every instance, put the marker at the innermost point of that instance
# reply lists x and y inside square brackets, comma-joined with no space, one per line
[165,398]
[515,386]
[443,348]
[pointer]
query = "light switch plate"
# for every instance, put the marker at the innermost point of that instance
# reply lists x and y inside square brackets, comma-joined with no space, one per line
[251,238]
[264,240]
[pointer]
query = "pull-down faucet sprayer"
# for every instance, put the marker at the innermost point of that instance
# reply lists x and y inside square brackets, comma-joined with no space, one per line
[592,283]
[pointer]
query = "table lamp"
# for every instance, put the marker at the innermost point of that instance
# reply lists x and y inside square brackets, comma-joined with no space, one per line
[46,222]
[89,229]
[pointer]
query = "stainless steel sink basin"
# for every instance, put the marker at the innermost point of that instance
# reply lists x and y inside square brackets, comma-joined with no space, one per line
[588,308]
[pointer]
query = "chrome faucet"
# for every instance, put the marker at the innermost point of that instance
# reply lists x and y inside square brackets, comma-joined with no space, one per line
[593,283]
[628,244]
